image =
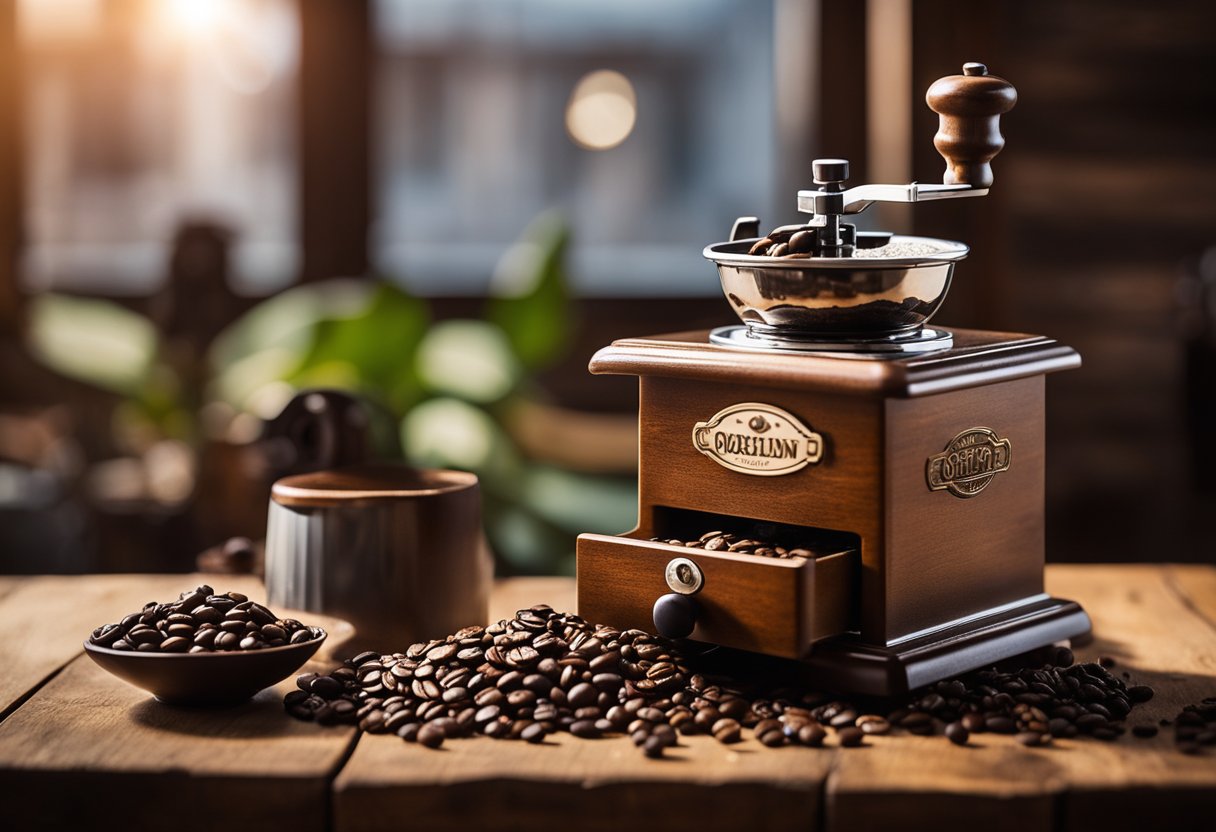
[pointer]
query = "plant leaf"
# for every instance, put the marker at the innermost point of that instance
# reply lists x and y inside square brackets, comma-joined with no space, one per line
[471,360]
[377,344]
[95,341]
[530,297]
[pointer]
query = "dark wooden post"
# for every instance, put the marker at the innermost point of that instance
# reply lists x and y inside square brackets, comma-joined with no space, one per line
[336,61]
[10,170]
[945,35]
[842,125]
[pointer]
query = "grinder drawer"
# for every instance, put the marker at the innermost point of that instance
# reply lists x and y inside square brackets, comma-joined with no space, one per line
[778,607]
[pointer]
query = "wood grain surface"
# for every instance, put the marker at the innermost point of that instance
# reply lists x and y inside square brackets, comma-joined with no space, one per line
[86,751]
[977,357]
[94,752]
[1145,618]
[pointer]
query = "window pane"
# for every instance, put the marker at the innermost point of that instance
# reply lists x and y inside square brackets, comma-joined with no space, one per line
[650,125]
[140,114]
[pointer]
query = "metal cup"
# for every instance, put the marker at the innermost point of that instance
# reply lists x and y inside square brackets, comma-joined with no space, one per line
[397,551]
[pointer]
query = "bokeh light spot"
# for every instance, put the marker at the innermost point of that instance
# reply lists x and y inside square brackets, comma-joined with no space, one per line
[602,110]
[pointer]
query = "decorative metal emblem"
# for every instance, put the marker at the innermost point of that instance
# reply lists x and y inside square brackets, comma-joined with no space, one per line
[683,576]
[969,463]
[757,439]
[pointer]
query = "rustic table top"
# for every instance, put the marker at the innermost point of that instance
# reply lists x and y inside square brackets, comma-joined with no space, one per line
[80,749]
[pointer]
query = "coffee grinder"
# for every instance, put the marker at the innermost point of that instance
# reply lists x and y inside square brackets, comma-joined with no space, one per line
[832,480]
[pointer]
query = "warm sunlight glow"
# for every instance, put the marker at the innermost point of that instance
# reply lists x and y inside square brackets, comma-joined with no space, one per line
[602,110]
[193,17]
[47,20]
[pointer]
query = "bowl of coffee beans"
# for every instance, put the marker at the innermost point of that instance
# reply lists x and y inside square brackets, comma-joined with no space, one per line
[886,286]
[205,648]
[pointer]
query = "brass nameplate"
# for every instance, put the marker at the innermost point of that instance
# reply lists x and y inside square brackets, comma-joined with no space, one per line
[757,439]
[969,463]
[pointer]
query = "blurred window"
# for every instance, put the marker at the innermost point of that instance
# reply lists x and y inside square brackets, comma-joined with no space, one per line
[140,114]
[651,125]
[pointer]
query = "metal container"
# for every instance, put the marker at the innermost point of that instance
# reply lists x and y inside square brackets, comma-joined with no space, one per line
[397,551]
[869,295]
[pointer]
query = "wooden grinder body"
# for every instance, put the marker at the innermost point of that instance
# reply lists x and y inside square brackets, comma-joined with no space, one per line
[932,579]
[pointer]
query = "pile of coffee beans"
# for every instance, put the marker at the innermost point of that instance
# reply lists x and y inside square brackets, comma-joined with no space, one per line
[1194,727]
[200,621]
[792,241]
[727,542]
[797,242]
[1060,699]
[544,672]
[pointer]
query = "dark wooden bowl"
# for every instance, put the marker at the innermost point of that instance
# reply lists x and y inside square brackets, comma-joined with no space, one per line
[221,678]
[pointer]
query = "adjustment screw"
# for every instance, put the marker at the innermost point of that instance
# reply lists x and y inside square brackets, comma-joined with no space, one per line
[830,171]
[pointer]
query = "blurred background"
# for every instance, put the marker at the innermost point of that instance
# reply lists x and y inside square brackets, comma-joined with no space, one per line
[441,208]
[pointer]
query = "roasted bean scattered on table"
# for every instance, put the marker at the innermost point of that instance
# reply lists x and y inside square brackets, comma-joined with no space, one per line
[544,672]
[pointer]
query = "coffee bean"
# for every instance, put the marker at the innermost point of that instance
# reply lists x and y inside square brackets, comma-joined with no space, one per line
[812,735]
[425,688]
[1139,693]
[764,726]
[1033,738]
[506,683]
[773,738]
[607,681]
[1001,725]
[431,735]
[521,698]
[851,737]
[973,722]
[872,724]
[653,747]
[584,728]
[582,695]
[145,635]
[453,696]
[958,733]
[326,687]
[650,714]
[442,653]
[522,656]
[843,719]
[1091,722]
[727,730]
[533,733]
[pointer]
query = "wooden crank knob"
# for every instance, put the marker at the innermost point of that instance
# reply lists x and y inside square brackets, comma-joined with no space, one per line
[969,131]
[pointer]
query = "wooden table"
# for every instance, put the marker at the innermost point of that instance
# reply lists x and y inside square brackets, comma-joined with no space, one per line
[80,749]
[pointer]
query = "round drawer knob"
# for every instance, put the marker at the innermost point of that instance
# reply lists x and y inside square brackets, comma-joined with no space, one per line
[675,615]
